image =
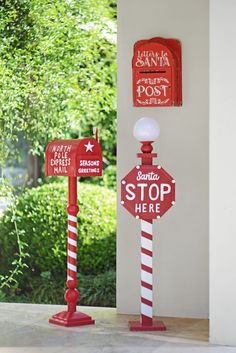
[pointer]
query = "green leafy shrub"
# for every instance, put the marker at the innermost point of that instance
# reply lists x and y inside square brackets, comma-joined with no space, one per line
[98,290]
[107,180]
[57,72]
[41,218]
[109,177]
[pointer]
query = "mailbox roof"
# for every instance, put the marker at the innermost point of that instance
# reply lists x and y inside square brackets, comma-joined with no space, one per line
[81,146]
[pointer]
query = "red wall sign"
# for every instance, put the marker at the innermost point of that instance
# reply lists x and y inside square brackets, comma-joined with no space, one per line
[74,158]
[147,191]
[157,73]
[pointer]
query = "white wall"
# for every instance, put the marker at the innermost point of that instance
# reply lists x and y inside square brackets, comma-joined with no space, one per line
[181,236]
[222,172]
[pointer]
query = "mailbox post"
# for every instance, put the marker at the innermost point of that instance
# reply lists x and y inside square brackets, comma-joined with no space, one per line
[147,192]
[73,158]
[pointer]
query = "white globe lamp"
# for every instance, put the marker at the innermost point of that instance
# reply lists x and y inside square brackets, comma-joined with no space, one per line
[146,129]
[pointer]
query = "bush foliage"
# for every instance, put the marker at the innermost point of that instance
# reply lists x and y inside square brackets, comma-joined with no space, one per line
[41,218]
[57,71]
[98,290]
[108,179]
[57,80]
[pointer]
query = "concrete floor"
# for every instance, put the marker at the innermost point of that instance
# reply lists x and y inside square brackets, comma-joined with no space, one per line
[24,328]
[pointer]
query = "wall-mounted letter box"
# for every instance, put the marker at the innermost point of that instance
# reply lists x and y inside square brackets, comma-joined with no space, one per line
[74,158]
[157,73]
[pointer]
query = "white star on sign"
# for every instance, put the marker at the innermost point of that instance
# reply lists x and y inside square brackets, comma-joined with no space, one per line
[89,147]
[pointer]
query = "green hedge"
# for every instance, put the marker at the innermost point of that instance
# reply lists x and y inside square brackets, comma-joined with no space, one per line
[41,219]
[98,290]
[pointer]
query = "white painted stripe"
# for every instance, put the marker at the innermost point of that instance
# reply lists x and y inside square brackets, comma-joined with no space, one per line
[72,229]
[146,243]
[146,310]
[72,241]
[146,277]
[69,277]
[146,260]
[71,267]
[146,226]
[72,254]
[72,218]
[146,293]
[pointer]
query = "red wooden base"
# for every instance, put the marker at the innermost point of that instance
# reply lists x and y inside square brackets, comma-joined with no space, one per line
[64,318]
[156,326]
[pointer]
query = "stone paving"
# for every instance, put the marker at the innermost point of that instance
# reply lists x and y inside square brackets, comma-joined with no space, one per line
[24,328]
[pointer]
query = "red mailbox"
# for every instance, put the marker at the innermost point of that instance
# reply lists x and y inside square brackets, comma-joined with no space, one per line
[73,158]
[77,158]
[157,73]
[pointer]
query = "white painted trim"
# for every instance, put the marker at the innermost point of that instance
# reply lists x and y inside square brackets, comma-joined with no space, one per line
[146,260]
[146,310]
[71,267]
[72,218]
[146,277]
[146,243]
[72,254]
[72,242]
[146,293]
[72,229]
[146,226]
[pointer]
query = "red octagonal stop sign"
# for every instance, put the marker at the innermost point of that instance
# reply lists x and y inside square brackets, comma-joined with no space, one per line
[147,191]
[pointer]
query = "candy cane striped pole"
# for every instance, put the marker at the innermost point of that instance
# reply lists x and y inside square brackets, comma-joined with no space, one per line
[72,211]
[72,247]
[72,294]
[146,272]
[146,322]
[71,317]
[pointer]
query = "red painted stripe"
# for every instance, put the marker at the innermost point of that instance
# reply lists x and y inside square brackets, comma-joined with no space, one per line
[71,273]
[73,224]
[146,320]
[148,220]
[71,260]
[72,235]
[72,248]
[145,301]
[146,235]
[146,268]
[146,285]
[147,252]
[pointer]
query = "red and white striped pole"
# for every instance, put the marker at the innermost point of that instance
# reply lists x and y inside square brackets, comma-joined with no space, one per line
[147,192]
[146,272]
[71,317]
[146,322]
[72,211]
[72,246]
